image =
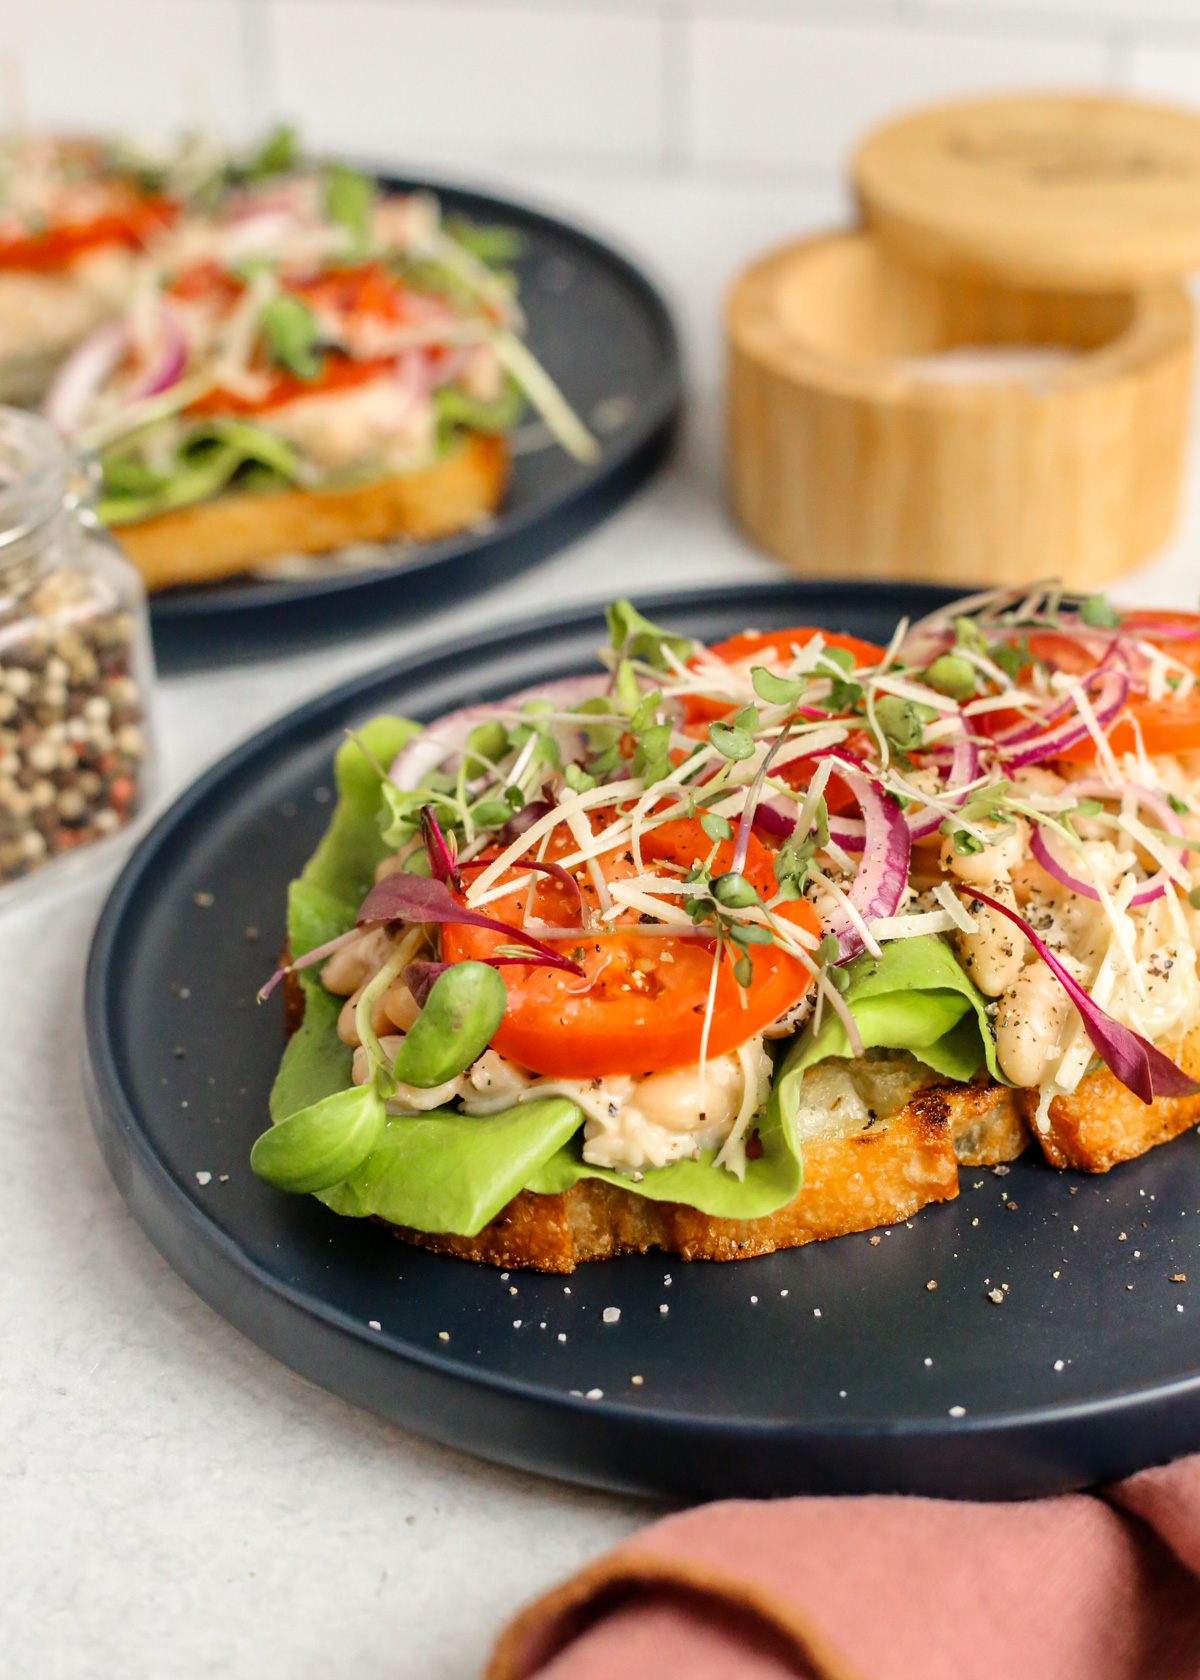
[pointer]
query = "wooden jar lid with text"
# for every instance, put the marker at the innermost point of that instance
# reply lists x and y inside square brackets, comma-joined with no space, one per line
[1081,193]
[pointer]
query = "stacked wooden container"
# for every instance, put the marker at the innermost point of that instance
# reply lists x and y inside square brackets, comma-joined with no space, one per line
[988,380]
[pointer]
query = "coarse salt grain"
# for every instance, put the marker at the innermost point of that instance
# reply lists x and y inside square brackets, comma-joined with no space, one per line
[958,1411]
[516,1323]
[816,1312]
[754,1300]
[783,1292]
[562,1335]
[594,1394]
[374,1324]
[663,1307]
[443,1335]
[1058,1364]
[929,1362]
[203,1178]
[611,1315]
[637,1381]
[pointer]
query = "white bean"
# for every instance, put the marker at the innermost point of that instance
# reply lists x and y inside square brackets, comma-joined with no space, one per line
[994,862]
[355,963]
[1032,1013]
[400,1006]
[993,955]
[672,1100]
[347,1026]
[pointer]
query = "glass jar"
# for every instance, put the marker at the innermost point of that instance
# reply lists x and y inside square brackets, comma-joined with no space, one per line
[76,667]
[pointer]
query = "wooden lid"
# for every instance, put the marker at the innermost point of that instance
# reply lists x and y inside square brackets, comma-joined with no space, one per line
[1063,192]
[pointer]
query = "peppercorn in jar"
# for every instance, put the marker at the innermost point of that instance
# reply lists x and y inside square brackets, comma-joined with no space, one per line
[75,663]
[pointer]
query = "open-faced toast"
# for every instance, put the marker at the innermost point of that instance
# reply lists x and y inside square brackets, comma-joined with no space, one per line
[231,534]
[561,1041]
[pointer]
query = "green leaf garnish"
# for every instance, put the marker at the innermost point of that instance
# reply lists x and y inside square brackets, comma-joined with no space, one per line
[775,690]
[292,334]
[349,198]
[635,637]
[1096,612]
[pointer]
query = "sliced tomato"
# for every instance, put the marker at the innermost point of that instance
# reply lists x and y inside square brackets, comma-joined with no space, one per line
[641,1006]
[131,223]
[363,290]
[771,647]
[1167,726]
[338,373]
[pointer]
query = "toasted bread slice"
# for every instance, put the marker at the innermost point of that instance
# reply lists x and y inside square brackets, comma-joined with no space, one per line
[1102,1123]
[853,1181]
[855,1178]
[231,533]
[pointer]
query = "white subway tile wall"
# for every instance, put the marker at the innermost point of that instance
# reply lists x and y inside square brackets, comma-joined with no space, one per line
[695,132]
[795,96]
[697,86]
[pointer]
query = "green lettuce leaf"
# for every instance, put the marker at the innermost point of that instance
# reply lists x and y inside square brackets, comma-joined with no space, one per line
[203,466]
[450,1172]
[914,997]
[454,408]
[324,903]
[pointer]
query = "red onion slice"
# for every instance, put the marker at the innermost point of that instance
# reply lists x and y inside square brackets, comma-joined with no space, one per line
[1136,1062]
[1051,743]
[170,362]
[1040,847]
[883,874]
[446,736]
[82,374]
[849,832]
[1093,787]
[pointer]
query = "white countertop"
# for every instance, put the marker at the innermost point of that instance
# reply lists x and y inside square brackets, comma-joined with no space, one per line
[176,1504]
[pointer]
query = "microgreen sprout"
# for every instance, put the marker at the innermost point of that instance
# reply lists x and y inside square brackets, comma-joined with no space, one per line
[1096,612]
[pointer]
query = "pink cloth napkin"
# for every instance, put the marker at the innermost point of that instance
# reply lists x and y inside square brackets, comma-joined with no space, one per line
[1082,1587]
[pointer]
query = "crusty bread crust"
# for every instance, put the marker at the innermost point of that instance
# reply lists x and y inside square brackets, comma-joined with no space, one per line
[231,533]
[1102,1123]
[851,1183]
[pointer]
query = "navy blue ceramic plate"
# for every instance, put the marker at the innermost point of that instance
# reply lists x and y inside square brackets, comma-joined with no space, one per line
[603,332]
[832,1368]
